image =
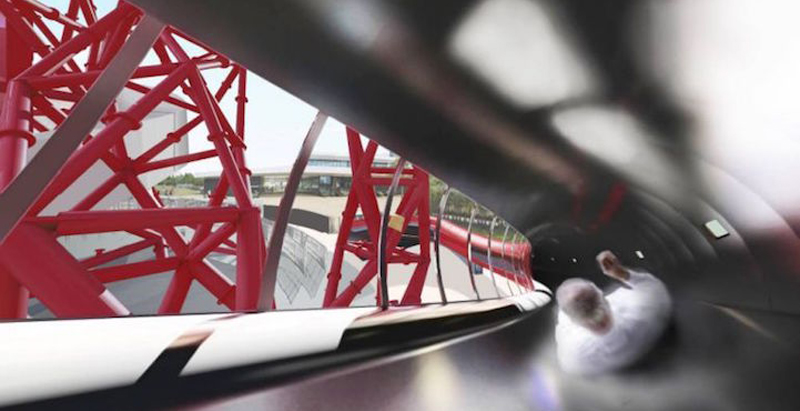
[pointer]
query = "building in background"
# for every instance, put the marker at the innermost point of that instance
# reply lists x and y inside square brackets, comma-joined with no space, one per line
[325,175]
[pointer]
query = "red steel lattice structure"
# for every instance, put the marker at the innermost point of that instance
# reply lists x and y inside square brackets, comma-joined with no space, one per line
[40,97]
[414,206]
[43,84]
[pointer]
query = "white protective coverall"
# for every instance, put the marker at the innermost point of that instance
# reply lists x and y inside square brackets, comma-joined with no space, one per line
[641,310]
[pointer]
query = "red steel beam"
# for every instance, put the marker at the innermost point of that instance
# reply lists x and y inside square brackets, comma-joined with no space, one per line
[84,222]
[109,256]
[32,255]
[135,270]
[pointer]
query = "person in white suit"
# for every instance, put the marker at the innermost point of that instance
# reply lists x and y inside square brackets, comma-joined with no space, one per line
[598,333]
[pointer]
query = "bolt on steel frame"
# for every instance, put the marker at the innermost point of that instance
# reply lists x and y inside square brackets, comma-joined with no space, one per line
[44,86]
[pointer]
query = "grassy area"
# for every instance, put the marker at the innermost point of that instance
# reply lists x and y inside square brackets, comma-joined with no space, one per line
[177,191]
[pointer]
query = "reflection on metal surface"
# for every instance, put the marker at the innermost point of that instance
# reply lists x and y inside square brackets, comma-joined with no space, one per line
[387,213]
[503,255]
[515,46]
[437,382]
[442,205]
[267,296]
[470,266]
[489,255]
[515,262]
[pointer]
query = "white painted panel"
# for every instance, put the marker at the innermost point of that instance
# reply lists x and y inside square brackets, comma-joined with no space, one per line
[270,336]
[43,359]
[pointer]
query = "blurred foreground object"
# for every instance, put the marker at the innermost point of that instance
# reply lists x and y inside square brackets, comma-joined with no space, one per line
[597,333]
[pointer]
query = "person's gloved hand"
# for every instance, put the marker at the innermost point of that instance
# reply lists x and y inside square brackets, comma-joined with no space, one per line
[612,267]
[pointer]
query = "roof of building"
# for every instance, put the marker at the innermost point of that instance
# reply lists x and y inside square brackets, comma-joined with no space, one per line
[312,169]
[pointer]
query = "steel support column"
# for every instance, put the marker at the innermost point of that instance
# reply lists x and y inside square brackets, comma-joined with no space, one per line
[14,141]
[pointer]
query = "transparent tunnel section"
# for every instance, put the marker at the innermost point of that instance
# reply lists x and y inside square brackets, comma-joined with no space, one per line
[203,188]
[457,271]
[325,243]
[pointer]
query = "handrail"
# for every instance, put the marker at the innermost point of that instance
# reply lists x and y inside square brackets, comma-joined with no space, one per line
[383,267]
[489,255]
[503,256]
[270,272]
[442,206]
[469,252]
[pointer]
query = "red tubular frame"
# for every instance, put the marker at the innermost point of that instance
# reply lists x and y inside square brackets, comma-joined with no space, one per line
[39,84]
[414,202]
[41,97]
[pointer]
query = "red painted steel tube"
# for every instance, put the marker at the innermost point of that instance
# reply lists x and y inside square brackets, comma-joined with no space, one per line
[174,161]
[172,100]
[270,273]
[211,242]
[241,103]
[61,95]
[241,100]
[99,192]
[249,261]
[190,39]
[206,105]
[146,200]
[53,14]
[15,136]
[84,222]
[14,141]
[135,270]
[88,11]
[176,292]
[53,60]
[335,273]
[34,18]
[171,139]
[45,108]
[456,236]
[405,209]
[216,198]
[109,256]
[350,292]
[72,14]
[360,163]
[87,155]
[27,35]
[383,265]
[116,37]
[215,282]
[86,78]
[388,181]
[417,282]
[43,266]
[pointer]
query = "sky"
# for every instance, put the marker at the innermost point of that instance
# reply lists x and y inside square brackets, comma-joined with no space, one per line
[276,122]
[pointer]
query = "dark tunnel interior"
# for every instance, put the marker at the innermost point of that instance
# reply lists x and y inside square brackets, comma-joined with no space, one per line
[663,130]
